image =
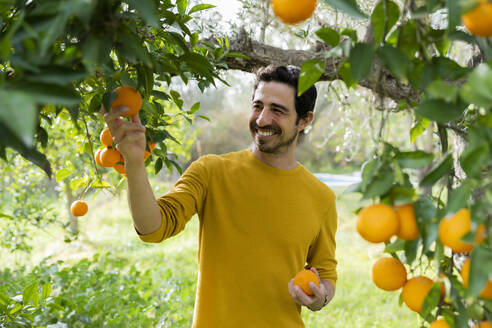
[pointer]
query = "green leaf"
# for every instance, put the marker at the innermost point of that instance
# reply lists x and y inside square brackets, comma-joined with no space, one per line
[478,88]
[401,195]
[454,14]
[132,50]
[458,199]
[442,90]
[182,4]
[438,171]
[50,94]
[396,60]
[100,184]
[346,74]
[147,9]
[60,75]
[28,293]
[62,174]
[78,183]
[480,269]
[56,27]
[355,187]
[421,123]
[311,71]
[361,58]
[95,50]
[46,291]
[474,158]
[431,300]
[411,247]
[200,7]
[19,114]
[439,110]
[329,36]
[414,159]
[377,179]
[396,246]
[349,7]
[195,108]
[378,19]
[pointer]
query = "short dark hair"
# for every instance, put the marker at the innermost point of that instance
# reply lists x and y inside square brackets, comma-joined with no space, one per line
[289,75]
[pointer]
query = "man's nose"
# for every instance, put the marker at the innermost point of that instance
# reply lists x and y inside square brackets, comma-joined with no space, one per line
[264,118]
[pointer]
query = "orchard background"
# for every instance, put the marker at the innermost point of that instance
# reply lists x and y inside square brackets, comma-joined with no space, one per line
[405,98]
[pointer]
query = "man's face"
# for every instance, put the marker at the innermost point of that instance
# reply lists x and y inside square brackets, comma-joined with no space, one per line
[273,117]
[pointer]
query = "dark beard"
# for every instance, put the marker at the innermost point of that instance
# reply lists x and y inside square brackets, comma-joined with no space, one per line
[274,149]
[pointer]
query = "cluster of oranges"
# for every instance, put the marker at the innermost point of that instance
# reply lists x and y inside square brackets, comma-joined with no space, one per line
[109,156]
[379,223]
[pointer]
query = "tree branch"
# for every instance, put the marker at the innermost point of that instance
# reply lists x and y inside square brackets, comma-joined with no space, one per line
[261,55]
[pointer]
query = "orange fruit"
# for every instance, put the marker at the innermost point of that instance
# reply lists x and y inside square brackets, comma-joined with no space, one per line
[128,96]
[408,229]
[377,223]
[389,274]
[106,138]
[97,157]
[452,229]
[79,208]
[415,291]
[120,168]
[303,278]
[109,157]
[293,11]
[465,273]
[479,20]
[483,324]
[480,234]
[440,323]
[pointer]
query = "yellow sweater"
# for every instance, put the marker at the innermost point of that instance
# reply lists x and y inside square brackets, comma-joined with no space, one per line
[259,226]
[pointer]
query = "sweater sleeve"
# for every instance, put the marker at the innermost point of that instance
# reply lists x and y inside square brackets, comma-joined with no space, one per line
[181,203]
[322,253]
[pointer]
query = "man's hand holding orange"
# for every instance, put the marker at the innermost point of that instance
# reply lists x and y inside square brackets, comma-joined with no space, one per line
[314,302]
[129,136]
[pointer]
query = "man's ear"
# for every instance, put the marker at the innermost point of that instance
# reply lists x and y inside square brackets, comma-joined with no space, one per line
[303,122]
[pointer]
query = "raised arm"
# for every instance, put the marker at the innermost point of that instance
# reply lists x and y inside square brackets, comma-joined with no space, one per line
[129,137]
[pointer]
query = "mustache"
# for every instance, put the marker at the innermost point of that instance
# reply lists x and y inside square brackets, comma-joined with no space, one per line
[254,126]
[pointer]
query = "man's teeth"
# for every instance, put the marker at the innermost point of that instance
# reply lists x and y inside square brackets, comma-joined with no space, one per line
[265,133]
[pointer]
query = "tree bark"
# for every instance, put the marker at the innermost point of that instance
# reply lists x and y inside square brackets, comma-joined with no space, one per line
[260,54]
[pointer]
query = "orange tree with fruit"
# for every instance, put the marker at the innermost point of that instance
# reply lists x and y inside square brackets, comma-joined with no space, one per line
[430,208]
[61,64]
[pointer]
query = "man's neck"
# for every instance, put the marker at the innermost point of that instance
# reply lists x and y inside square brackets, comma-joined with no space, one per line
[284,161]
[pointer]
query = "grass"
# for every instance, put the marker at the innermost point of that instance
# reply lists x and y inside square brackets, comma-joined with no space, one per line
[173,265]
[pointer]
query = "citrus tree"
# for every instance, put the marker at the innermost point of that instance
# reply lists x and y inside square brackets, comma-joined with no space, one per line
[436,221]
[61,61]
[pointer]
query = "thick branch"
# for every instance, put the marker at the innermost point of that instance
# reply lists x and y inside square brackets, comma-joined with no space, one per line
[261,55]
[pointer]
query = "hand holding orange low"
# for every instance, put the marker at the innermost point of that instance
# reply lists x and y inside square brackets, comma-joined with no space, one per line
[314,301]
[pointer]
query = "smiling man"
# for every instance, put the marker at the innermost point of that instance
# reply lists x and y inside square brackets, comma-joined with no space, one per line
[263,217]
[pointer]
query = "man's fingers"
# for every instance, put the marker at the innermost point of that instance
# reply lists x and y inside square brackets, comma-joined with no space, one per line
[313,269]
[302,297]
[135,119]
[318,291]
[115,113]
[132,132]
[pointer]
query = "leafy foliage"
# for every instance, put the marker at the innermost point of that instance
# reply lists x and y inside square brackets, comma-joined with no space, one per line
[454,101]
